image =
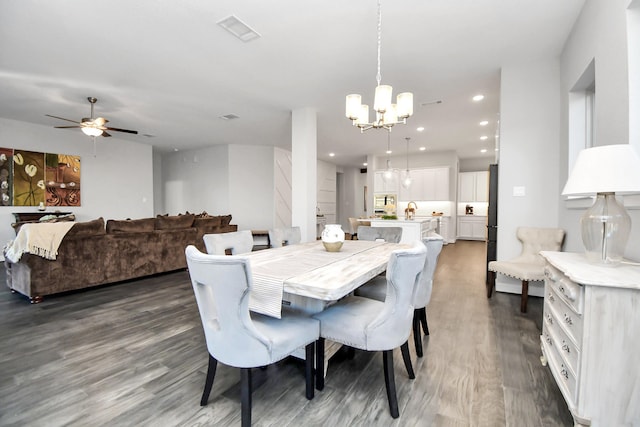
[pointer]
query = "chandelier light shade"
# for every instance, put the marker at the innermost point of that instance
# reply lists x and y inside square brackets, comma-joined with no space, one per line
[605,171]
[387,113]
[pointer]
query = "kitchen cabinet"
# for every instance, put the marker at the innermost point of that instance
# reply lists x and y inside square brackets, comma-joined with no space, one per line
[390,186]
[427,185]
[589,339]
[445,228]
[473,187]
[472,227]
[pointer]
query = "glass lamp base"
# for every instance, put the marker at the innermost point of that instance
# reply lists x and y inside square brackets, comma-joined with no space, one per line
[605,230]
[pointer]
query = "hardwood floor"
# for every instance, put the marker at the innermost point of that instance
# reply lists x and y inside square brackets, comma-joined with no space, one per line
[133,354]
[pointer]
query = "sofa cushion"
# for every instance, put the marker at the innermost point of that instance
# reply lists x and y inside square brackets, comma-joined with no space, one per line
[225,220]
[209,223]
[173,222]
[88,228]
[143,225]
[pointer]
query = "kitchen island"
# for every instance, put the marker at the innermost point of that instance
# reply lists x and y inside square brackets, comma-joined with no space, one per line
[412,229]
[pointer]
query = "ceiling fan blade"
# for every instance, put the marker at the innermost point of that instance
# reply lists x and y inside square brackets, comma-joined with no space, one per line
[135,132]
[105,134]
[66,127]
[61,118]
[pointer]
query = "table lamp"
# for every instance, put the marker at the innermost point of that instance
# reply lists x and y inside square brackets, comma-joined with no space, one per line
[605,171]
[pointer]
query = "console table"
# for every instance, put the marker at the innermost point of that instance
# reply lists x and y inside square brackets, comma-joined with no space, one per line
[591,338]
[25,217]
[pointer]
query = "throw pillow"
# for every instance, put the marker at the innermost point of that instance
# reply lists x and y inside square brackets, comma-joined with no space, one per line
[174,222]
[143,225]
[88,228]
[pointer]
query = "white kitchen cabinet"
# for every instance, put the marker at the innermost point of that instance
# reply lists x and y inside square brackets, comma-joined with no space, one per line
[380,185]
[427,185]
[589,338]
[473,187]
[472,227]
[445,228]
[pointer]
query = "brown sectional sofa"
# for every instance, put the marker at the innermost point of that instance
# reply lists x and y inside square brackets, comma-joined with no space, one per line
[93,254]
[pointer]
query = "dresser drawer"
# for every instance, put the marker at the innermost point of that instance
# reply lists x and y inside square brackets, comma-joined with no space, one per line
[566,347]
[564,375]
[572,293]
[561,315]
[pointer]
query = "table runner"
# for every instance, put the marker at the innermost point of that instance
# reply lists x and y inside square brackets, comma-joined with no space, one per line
[272,267]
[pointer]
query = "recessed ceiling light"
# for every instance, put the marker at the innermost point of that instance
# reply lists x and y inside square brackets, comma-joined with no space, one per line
[423,148]
[484,123]
[420,129]
[175,149]
[365,164]
[332,154]
[495,149]
[483,150]
[478,98]
[389,151]
[484,137]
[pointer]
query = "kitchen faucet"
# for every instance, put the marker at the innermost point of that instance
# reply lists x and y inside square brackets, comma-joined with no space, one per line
[410,212]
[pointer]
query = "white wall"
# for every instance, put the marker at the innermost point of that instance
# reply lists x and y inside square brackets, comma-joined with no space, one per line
[196,181]
[251,186]
[601,33]
[115,184]
[326,191]
[221,180]
[351,203]
[529,140]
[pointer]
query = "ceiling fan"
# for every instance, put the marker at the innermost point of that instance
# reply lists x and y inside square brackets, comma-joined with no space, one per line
[92,126]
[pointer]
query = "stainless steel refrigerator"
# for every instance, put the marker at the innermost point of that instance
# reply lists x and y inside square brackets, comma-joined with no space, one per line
[492,226]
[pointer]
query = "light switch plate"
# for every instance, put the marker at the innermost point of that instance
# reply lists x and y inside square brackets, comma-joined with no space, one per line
[519,191]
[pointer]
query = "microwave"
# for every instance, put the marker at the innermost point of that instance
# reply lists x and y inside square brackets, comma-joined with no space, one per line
[381,200]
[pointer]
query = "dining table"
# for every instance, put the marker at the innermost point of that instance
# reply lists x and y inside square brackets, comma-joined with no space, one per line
[309,278]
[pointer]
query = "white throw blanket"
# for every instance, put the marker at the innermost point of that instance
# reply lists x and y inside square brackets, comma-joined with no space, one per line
[42,239]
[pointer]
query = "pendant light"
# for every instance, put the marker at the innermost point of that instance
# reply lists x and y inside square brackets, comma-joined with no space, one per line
[406,181]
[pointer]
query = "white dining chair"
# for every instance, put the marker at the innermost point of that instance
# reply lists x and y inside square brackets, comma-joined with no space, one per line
[240,338]
[232,243]
[376,289]
[279,237]
[372,325]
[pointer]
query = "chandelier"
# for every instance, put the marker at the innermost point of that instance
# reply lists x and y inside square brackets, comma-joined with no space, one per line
[387,114]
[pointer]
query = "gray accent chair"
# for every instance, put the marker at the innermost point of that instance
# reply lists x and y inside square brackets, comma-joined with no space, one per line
[279,237]
[529,265]
[376,289]
[234,243]
[237,337]
[388,234]
[372,325]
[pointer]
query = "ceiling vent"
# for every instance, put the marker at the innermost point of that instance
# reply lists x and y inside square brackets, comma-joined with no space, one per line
[239,29]
[229,117]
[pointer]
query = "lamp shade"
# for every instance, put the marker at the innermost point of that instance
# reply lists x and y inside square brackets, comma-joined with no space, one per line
[605,169]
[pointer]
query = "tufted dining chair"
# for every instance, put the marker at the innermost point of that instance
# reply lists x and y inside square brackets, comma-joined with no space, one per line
[279,237]
[373,325]
[234,335]
[529,265]
[376,289]
[233,243]
[388,234]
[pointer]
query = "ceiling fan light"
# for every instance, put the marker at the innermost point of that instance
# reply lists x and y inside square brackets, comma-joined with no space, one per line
[382,99]
[405,105]
[91,131]
[354,101]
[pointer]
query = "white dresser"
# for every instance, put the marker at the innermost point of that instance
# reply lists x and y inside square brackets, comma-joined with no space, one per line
[591,338]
